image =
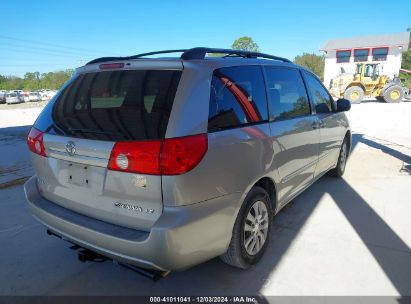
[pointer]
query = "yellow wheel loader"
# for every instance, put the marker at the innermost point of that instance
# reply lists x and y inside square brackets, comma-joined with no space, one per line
[367,82]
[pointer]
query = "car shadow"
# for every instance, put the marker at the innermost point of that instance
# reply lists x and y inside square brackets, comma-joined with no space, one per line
[387,248]
[356,138]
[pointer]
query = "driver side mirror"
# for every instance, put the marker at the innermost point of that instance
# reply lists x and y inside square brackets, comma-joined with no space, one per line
[343,105]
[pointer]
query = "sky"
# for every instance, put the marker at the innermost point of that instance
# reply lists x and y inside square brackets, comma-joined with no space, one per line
[47,36]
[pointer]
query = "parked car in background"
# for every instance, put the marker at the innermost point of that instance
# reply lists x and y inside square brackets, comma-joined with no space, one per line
[13,97]
[26,96]
[49,93]
[44,96]
[22,97]
[34,96]
[2,96]
[167,163]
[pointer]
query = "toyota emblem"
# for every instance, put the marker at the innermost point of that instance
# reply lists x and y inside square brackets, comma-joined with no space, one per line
[71,148]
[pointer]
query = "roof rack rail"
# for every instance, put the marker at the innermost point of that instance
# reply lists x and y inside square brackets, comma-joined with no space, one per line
[103,59]
[158,52]
[195,53]
[200,53]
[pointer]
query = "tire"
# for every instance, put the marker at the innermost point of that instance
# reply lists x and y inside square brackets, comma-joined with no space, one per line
[239,253]
[339,170]
[354,94]
[393,94]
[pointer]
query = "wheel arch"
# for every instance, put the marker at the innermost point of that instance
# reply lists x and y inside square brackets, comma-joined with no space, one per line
[349,138]
[268,185]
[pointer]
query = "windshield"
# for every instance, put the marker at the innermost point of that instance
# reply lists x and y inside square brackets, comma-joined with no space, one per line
[369,70]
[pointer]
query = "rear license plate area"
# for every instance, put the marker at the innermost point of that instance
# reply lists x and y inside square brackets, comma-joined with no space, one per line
[78,175]
[81,177]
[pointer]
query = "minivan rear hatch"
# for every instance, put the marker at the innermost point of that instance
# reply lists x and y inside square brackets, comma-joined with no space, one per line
[88,117]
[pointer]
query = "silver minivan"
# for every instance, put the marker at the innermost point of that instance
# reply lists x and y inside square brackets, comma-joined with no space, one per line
[164,163]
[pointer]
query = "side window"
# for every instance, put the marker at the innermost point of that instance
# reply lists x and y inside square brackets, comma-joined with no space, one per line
[237,97]
[321,99]
[286,92]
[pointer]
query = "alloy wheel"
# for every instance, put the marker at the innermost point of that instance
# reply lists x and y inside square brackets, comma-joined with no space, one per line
[256,228]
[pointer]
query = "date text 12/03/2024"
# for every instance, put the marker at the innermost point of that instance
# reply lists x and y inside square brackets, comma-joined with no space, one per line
[206,299]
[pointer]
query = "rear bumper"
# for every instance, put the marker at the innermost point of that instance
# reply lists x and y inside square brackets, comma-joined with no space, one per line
[13,101]
[182,237]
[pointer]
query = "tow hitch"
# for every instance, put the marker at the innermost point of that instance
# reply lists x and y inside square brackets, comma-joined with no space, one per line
[87,255]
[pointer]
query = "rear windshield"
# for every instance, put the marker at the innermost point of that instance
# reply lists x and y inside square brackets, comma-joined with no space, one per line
[117,105]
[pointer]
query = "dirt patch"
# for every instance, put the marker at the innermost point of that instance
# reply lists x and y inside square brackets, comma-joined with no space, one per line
[12,169]
[14,182]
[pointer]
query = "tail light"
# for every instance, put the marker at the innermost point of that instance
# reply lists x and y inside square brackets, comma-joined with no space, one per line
[180,155]
[138,156]
[171,156]
[35,142]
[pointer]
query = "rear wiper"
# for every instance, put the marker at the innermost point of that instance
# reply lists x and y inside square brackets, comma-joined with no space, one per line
[92,131]
[214,129]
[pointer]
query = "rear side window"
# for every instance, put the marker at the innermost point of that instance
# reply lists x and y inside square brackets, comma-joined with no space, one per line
[320,97]
[117,105]
[286,93]
[237,97]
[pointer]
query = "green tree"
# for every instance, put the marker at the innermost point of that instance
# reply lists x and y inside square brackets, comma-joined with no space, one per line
[33,80]
[406,64]
[13,83]
[406,56]
[245,43]
[406,60]
[37,76]
[313,62]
